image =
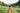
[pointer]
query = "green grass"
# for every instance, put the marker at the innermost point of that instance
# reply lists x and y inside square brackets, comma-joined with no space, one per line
[3,8]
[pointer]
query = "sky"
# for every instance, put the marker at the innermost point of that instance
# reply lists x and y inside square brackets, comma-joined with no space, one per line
[9,1]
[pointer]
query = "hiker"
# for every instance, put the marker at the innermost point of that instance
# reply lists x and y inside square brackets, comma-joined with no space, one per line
[9,9]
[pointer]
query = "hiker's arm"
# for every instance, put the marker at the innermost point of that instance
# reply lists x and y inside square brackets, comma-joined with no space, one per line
[7,9]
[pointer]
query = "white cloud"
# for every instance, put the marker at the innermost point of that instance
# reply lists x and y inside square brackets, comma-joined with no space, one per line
[9,1]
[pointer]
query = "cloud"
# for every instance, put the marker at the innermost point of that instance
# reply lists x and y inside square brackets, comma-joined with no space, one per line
[9,1]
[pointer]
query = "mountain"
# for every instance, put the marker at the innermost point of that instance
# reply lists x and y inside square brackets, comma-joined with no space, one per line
[2,3]
[17,4]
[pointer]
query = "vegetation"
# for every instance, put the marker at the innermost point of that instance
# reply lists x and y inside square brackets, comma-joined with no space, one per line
[5,6]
